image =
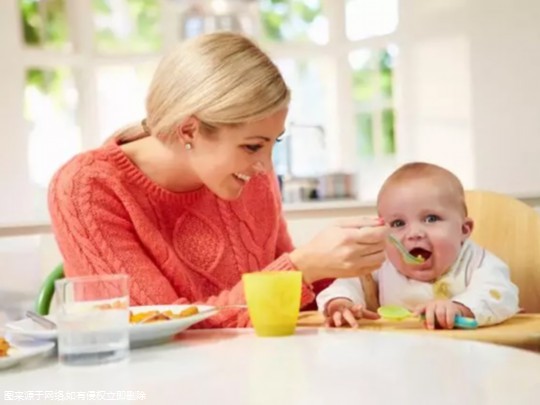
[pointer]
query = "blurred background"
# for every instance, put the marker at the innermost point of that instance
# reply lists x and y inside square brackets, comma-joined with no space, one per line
[375,83]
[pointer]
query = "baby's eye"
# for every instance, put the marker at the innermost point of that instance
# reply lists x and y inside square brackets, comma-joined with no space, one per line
[397,223]
[252,148]
[432,218]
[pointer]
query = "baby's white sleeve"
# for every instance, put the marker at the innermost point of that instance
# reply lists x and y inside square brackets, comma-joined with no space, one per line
[350,288]
[490,295]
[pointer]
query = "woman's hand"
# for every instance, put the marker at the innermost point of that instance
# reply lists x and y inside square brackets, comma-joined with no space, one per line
[349,249]
[343,312]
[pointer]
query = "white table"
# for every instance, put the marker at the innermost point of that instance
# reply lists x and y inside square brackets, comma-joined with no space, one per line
[315,366]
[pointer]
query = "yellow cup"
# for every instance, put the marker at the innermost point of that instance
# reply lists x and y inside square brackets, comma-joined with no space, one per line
[273,300]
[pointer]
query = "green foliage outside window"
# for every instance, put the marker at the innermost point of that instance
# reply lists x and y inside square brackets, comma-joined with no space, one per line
[364,125]
[372,84]
[388,134]
[44,25]
[145,15]
[287,19]
[364,89]
[385,73]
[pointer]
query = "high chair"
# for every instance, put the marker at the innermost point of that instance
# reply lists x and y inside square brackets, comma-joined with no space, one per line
[510,229]
[43,301]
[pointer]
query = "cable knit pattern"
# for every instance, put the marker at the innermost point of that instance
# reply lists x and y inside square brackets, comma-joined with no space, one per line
[192,247]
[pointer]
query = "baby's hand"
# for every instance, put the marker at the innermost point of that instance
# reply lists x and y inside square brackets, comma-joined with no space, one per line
[343,312]
[441,313]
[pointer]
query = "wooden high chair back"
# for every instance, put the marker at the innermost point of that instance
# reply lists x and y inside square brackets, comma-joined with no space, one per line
[510,229]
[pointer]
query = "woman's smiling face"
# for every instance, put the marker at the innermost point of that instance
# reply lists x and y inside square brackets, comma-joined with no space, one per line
[226,160]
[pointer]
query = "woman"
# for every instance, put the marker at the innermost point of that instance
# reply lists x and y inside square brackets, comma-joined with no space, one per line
[187,202]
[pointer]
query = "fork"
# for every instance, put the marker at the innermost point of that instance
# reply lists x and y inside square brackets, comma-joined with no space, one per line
[404,252]
[41,320]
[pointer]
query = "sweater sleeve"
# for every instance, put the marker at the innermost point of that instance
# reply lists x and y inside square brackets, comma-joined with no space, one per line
[96,236]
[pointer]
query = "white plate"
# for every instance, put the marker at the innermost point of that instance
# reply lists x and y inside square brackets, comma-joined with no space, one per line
[142,334]
[19,353]
[138,333]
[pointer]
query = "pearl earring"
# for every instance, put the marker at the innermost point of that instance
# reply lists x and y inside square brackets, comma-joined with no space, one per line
[188,146]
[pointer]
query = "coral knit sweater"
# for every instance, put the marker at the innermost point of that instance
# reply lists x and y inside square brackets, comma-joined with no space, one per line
[191,247]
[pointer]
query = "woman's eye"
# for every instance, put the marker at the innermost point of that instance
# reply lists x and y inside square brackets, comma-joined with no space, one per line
[397,223]
[432,218]
[279,139]
[252,148]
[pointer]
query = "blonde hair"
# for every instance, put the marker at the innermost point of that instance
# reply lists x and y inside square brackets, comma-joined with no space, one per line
[427,171]
[221,78]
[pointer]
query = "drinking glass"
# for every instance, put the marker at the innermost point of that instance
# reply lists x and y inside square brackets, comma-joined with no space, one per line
[93,319]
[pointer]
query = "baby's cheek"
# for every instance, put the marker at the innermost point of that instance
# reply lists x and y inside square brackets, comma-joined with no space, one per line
[447,254]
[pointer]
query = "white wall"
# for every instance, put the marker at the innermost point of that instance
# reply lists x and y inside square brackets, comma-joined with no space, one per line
[469,96]
[505,73]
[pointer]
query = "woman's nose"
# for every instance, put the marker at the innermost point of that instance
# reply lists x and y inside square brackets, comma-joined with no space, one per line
[259,167]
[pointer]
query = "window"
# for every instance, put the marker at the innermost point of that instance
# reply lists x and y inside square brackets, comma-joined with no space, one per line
[45,24]
[116,106]
[77,59]
[370,18]
[293,20]
[132,26]
[302,153]
[372,96]
[51,103]
[342,117]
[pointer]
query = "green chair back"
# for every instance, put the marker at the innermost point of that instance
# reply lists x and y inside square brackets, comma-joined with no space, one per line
[43,302]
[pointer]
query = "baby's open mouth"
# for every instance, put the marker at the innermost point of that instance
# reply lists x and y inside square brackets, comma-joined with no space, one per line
[420,252]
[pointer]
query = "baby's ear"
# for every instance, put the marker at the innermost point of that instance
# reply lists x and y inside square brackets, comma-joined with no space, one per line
[467,227]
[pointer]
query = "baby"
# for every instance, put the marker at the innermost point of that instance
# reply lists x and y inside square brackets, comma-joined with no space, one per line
[424,206]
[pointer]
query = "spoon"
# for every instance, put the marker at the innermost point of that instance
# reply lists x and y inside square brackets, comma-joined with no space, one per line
[397,313]
[41,320]
[405,253]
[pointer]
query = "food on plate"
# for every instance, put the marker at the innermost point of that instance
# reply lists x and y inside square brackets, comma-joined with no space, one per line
[155,316]
[4,347]
[115,305]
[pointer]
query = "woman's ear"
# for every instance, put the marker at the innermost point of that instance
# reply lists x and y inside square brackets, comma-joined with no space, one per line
[467,228]
[188,129]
